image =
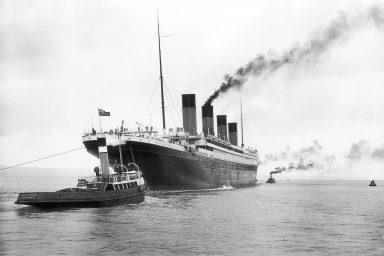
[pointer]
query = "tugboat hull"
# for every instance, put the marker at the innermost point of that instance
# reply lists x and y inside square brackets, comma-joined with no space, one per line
[83,198]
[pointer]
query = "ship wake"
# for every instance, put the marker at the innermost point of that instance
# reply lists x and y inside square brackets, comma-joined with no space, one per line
[223,187]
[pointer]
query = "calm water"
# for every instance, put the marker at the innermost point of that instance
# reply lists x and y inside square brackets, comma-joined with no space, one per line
[286,218]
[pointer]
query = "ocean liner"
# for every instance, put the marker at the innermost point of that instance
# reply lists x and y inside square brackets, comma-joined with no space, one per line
[182,158]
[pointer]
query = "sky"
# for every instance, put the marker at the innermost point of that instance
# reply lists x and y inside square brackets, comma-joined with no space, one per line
[61,60]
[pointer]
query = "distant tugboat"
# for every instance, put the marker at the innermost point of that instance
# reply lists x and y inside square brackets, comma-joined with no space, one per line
[271,179]
[372,184]
[125,185]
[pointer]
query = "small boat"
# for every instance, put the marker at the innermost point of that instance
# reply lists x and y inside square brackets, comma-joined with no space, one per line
[122,184]
[271,179]
[372,184]
[124,187]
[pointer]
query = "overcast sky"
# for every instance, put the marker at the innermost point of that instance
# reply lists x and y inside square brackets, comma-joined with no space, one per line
[61,60]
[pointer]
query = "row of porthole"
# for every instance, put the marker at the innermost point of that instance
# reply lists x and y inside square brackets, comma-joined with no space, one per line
[222,165]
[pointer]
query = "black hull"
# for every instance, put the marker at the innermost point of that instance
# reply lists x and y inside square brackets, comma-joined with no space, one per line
[82,199]
[172,169]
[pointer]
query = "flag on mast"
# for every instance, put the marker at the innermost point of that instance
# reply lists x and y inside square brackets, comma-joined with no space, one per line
[104,113]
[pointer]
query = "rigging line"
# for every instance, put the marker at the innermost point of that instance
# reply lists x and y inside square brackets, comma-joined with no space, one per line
[170,78]
[146,78]
[39,159]
[176,107]
[171,112]
[175,110]
[150,99]
[142,90]
[133,158]
[170,108]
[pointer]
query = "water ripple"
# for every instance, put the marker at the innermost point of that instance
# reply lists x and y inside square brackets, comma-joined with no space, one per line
[343,218]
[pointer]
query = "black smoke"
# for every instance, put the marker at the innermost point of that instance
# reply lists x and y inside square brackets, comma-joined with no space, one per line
[300,166]
[378,153]
[306,158]
[279,170]
[306,153]
[319,42]
[358,150]
[363,150]
[314,156]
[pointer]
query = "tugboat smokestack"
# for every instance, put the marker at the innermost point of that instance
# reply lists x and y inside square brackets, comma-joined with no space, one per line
[103,155]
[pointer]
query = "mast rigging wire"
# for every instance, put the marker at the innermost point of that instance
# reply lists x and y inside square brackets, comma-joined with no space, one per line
[150,99]
[177,108]
[144,84]
[170,112]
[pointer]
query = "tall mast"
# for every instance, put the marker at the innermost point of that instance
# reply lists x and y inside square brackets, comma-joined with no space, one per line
[161,73]
[242,133]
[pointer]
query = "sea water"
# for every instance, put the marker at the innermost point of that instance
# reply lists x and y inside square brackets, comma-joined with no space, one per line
[286,218]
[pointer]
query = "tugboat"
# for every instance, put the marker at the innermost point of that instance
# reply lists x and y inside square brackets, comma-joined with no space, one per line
[124,185]
[372,184]
[271,179]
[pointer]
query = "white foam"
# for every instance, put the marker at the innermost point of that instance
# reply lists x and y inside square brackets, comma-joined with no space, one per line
[225,187]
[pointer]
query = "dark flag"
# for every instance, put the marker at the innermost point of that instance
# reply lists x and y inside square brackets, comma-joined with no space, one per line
[104,113]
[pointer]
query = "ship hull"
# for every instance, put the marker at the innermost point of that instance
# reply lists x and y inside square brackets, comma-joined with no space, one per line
[83,199]
[167,168]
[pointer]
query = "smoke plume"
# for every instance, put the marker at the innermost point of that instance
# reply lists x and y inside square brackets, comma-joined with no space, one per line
[358,150]
[362,150]
[303,159]
[276,171]
[307,153]
[361,158]
[320,41]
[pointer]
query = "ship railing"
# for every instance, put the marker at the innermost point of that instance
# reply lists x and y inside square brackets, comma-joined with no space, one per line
[89,179]
[145,134]
[126,135]
[201,142]
[90,133]
[123,177]
[110,178]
